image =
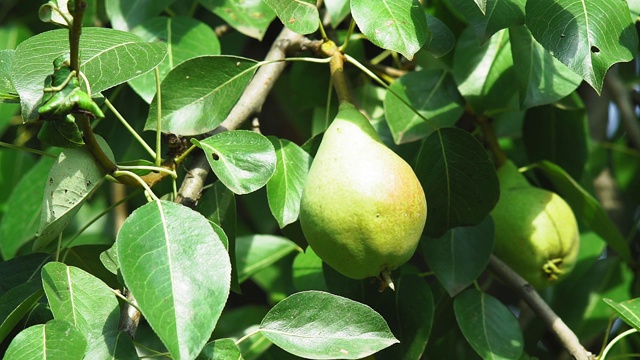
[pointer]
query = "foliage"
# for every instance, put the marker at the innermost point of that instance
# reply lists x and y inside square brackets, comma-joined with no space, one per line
[115,242]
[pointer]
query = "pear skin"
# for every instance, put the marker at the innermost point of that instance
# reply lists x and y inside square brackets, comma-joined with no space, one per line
[536,232]
[362,209]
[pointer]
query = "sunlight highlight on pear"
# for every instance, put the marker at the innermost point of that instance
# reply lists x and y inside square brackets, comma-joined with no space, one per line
[363,209]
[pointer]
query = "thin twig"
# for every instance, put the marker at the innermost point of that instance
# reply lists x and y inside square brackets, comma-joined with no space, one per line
[621,96]
[566,337]
[249,104]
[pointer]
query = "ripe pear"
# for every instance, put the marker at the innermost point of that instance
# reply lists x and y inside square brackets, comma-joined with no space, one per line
[536,232]
[362,209]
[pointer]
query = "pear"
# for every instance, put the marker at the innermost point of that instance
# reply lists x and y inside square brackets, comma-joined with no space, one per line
[536,232]
[362,209]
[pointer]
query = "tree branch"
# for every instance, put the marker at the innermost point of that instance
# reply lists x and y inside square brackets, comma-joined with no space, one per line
[621,96]
[567,337]
[249,104]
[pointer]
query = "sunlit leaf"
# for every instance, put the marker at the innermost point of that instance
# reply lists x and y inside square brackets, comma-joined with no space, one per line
[300,16]
[57,339]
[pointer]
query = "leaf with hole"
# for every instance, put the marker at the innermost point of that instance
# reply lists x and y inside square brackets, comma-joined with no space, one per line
[320,325]
[71,181]
[243,160]
[168,251]
[198,94]
[587,36]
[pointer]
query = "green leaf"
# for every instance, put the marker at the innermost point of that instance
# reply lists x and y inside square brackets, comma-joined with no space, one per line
[243,160]
[320,325]
[559,135]
[187,38]
[284,189]
[459,180]
[629,311]
[256,252]
[108,57]
[433,94]
[170,253]
[72,179]
[109,259]
[542,79]
[251,18]
[20,223]
[482,5]
[221,349]
[47,14]
[489,326]
[485,74]
[13,165]
[300,16]
[442,40]
[62,133]
[198,94]
[126,14]
[7,90]
[307,271]
[57,339]
[218,204]
[393,25]
[587,36]
[86,302]
[497,15]
[586,208]
[337,10]
[459,256]
[411,315]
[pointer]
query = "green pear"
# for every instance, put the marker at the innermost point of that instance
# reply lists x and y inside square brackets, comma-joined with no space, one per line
[536,233]
[362,209]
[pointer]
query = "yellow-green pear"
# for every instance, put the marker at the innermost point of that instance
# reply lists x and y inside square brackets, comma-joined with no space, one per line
[362,209]
[536,233]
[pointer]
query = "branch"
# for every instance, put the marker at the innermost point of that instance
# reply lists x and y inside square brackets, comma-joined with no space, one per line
[621,96]
[249,104]
[566,337]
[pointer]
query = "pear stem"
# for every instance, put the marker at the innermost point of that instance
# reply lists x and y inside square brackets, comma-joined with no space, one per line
[336,65]
[492,141]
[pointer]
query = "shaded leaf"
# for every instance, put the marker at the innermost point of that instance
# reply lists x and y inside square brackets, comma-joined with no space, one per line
[168,251]
[393,25]
[587,36]
[198,94]
[492,16]
[485,74]
[47,14]
[459,180]
[307,271]
[13,165]
[16,303]
[586,208]
[243,160]
[86,302]
[71,180]
[488,325]
[629,311]
[125,14]
[57,339]
[542,79]
[559,135]
[284,189]
[442,40]
[256,252]
[433,93]
[20,223]
[109,57]
[337,10]
[459,256]
[300,16]
[7,90]
[251,18]
[188,38]
[320,325]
